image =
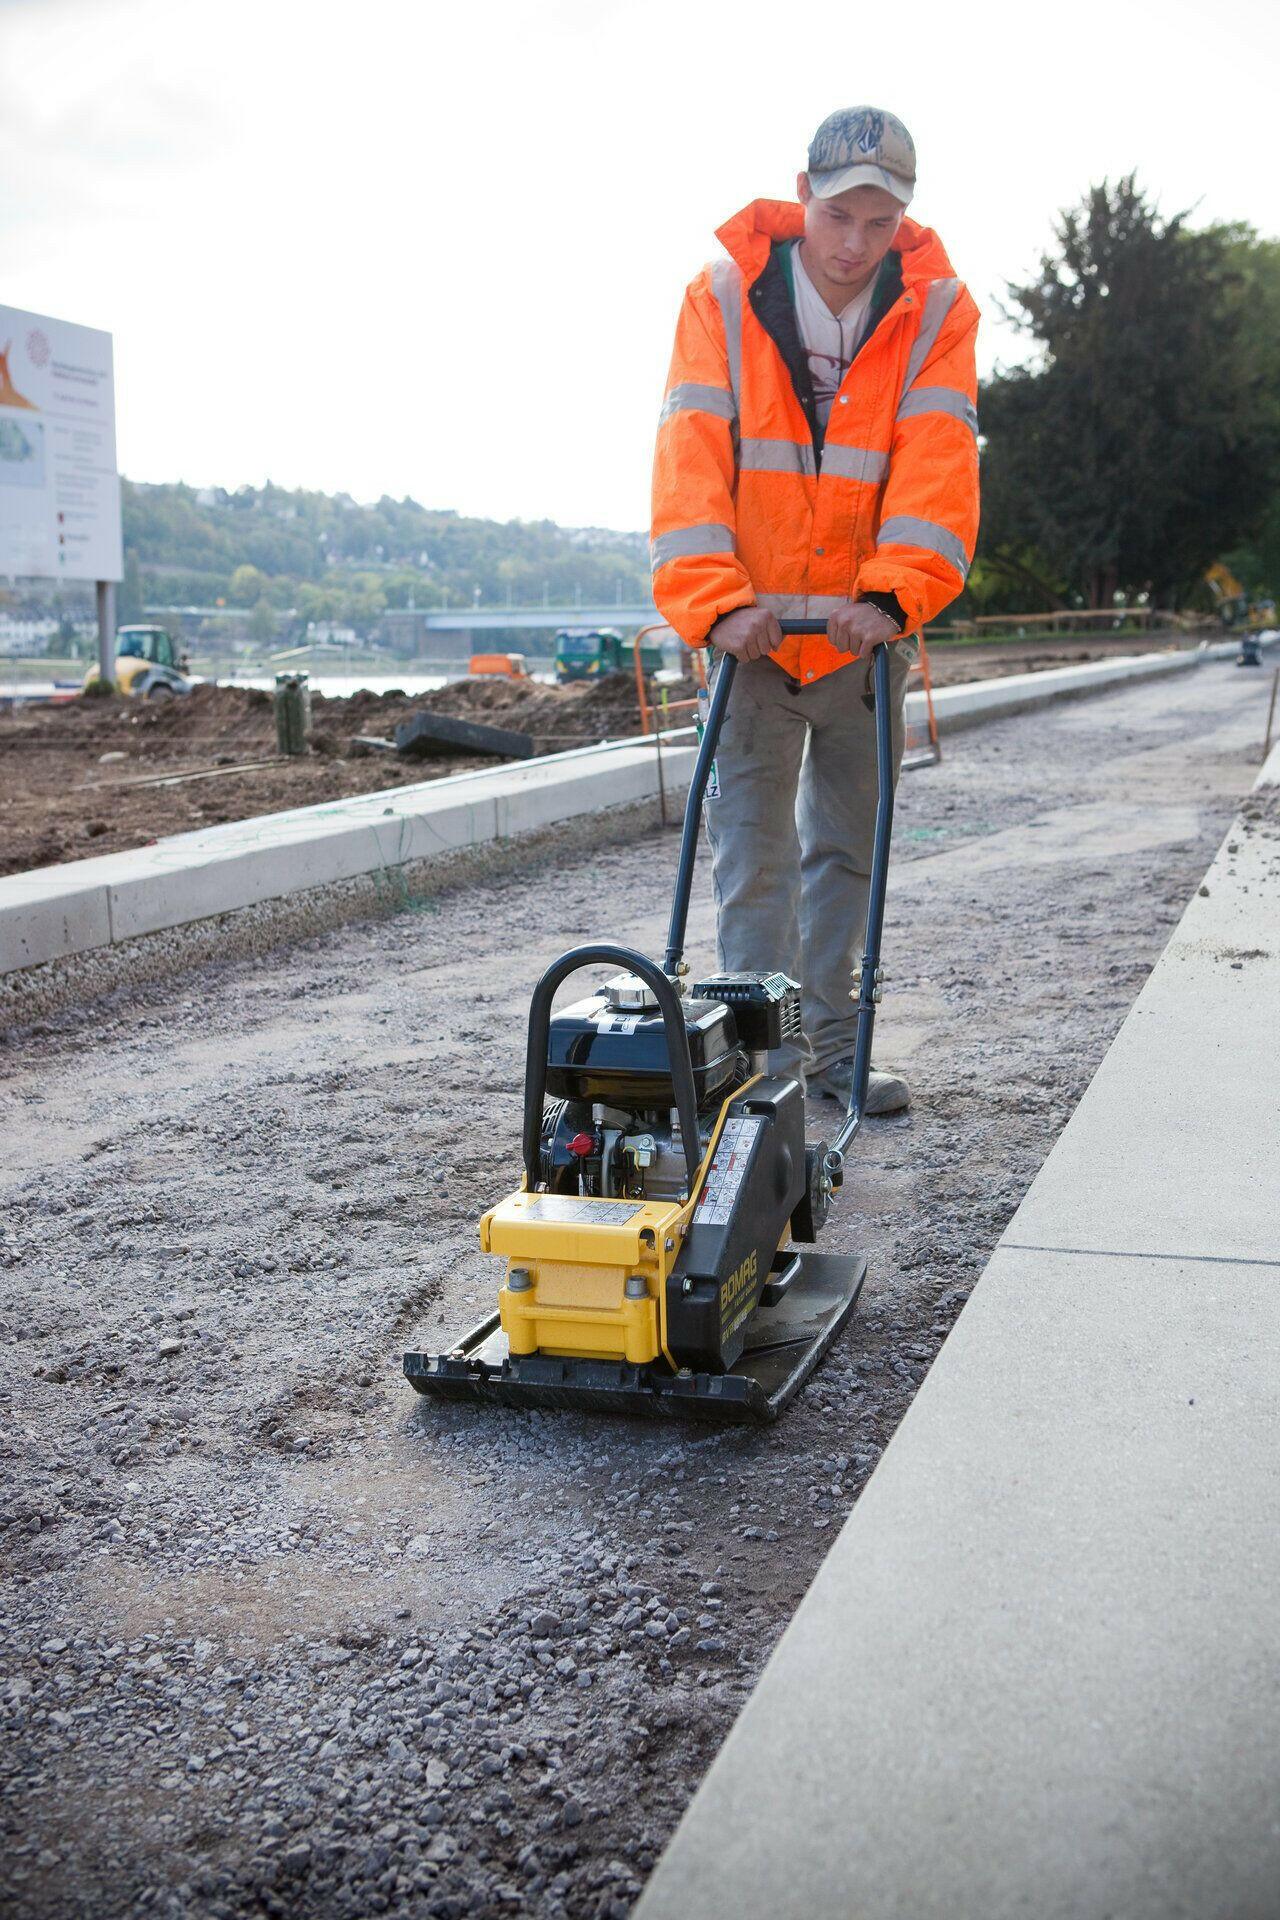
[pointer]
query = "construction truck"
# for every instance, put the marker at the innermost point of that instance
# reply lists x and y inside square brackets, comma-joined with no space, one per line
[586,652]
[509,666]
[148,663]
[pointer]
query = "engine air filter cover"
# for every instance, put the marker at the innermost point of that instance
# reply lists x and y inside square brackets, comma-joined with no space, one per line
[766,1006]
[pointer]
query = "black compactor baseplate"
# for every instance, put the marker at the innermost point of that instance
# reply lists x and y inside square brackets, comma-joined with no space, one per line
[785,1344]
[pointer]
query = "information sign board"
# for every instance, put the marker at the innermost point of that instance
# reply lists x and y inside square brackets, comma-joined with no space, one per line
[59,489]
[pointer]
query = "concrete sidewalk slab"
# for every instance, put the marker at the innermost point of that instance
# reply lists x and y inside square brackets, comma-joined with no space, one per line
[1187,1070]
[1037,1674]
[1026,1680]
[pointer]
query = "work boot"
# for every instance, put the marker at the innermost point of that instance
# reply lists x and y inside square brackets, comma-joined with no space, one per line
[886,1092]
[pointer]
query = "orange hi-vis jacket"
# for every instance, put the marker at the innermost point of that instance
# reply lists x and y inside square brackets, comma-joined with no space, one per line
[754,505]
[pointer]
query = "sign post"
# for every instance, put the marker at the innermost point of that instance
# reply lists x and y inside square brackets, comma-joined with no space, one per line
[106,631]
[59,489]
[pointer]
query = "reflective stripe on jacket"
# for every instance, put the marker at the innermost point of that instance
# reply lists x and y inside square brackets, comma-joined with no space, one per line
[752,505]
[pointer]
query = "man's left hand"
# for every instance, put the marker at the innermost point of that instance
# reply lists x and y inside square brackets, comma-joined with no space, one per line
[858,627]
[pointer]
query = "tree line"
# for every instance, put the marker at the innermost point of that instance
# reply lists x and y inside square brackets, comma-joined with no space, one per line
[269,548]
[1140,445]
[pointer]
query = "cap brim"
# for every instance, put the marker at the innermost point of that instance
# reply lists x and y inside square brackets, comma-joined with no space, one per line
[825,185]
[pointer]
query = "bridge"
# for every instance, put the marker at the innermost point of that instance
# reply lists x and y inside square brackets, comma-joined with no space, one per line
[506,619]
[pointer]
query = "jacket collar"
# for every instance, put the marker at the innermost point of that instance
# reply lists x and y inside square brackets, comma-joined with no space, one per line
[747,237]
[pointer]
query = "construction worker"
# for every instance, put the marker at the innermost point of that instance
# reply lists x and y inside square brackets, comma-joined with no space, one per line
[817,457]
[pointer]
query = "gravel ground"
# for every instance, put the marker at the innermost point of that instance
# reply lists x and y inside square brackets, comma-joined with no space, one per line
[279,1637]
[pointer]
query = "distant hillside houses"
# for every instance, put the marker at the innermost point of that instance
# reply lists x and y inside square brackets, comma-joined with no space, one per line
[22,635]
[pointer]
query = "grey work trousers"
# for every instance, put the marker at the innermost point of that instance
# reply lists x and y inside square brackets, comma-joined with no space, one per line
[792,826]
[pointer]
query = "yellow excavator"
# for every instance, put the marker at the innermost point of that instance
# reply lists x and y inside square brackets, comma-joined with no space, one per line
[148,664]
[1234,606]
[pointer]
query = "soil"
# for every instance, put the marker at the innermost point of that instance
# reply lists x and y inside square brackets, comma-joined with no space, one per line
[277,1637]
[65,799]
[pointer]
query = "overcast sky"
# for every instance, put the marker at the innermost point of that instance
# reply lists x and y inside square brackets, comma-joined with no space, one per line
[438,249]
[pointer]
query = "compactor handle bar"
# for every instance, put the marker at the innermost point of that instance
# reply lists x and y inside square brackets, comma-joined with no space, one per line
[869,978]
[601,953]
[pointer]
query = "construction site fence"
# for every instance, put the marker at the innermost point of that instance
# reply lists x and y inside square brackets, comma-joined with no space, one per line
[1079,620]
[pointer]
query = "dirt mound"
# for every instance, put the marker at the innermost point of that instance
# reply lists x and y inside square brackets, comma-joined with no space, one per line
[216,717]
[64,799]
[553,717]
[207,717]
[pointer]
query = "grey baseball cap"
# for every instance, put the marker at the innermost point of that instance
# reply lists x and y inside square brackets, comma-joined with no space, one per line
[862,147]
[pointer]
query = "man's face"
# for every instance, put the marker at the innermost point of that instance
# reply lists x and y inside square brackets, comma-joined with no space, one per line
[848,236]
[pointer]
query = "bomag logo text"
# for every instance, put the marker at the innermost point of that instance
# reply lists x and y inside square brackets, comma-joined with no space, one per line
[739,1280]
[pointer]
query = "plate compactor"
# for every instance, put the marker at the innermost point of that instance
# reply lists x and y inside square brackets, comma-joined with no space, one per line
[659,1252]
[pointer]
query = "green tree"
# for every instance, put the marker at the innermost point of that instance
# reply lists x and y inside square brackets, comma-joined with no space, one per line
[319,603]
[1133,451]
[196,548]
[1256,264]
[262,624]
[129,598]
[246,586]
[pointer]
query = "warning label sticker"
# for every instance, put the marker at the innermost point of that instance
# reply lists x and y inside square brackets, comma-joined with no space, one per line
[569,1211]
[617,1022]
[720,1193]
[704,711]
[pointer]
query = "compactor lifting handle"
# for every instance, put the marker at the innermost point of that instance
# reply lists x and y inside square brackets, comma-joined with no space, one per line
[869,979]
[677,1034]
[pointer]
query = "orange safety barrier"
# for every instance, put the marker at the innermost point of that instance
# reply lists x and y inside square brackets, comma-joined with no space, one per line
[647,706]
[922,747]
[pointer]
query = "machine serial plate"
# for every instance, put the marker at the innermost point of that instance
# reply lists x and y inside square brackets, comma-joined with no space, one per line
[566,1211]
[724,1176]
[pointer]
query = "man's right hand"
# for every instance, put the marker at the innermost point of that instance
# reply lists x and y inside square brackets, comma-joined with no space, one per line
[749,633]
